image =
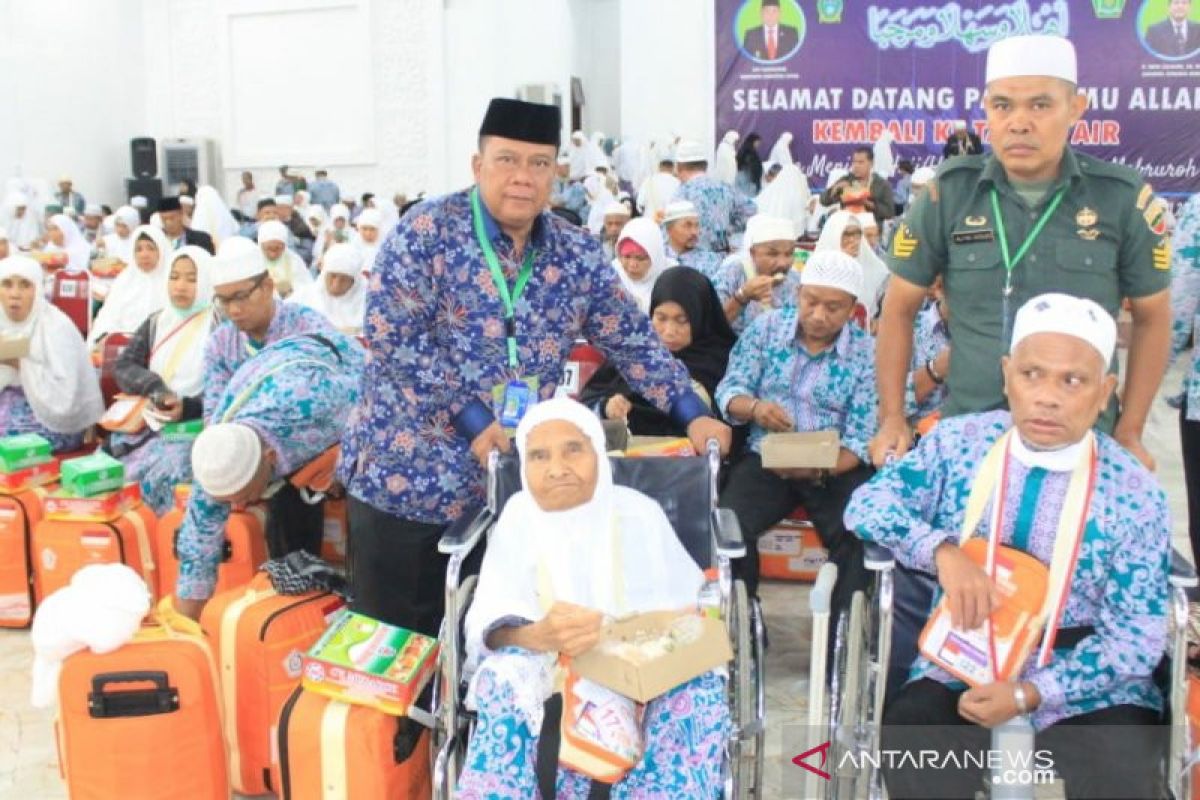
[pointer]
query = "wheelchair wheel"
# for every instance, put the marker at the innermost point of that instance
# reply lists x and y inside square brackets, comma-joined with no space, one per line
[849,693]
[743,755]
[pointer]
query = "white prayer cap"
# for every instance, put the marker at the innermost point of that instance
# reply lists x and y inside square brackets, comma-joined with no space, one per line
[762,228]
[137,201]
[93,210]
[284,200]
[64,178]
[617,209]
[371,217]
[272,231]
[342,259]
[680,209]
[1032,56]
[564,161]
[960,124]
[923,175]
[1066,314]
[225,458]
[236,245]
[187,200]
[339,210]
[237,264]
[834,269]
[689,152]
[128,215]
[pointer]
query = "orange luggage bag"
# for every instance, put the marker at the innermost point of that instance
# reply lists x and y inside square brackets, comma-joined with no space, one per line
[792,549]
[245,546]
[330,750]
[62,547]
[144,721]
[19,513]
[337,527]
[258,639]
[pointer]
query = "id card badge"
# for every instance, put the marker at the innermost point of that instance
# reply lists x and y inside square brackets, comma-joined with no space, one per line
[513,399]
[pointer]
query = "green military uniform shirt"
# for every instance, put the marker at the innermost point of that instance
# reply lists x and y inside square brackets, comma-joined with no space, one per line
[1106,241]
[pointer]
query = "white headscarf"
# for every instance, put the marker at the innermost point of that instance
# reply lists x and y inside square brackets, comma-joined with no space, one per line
[884,158]
[114,245]
[187,379]
[345,312]
[599,197]
[212,216]
[595,152]
[781,151]
[875,272]
[57,376]
[627,160]
[289,269]
[575,548]
[643,231]
[577,150]
[787,196]
[725,166]
[79,252]
[23,231]
[135,294]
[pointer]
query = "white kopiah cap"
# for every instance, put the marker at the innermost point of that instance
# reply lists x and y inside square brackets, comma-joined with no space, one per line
[834,269]
[237,264]
[689,152]
[616,209]
[1032,56]
[680,209]
[343,259]
[762,228]
[284,200]
[225,458]
[1069,315]
[272,231]
[370,217]
[923,175]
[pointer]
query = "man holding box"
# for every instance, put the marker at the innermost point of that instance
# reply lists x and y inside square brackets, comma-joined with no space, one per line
[1043,483]
[803,368]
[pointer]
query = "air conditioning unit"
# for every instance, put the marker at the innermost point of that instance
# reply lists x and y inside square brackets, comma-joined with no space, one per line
[547,93]
[196,159]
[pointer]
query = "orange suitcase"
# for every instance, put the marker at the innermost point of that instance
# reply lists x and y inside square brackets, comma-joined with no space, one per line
[62,547]
[258,638]
[791,550]
[337,529]
[245,546]
[143,722]
[329,750]
[19,513]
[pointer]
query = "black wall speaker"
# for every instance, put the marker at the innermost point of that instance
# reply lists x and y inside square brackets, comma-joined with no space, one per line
[143,152]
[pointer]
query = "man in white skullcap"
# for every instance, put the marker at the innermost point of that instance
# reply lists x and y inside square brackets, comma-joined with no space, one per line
[803,367]
[280,410]
[761,277]
[723,210]
[681,226]
[93,216]
[1032,216]
[962,142]
[616,214]
[1071,497]
[301,239]
[67,197]
[287,268]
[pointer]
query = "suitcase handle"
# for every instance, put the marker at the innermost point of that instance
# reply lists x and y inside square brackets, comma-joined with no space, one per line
[102,704]
[226,547]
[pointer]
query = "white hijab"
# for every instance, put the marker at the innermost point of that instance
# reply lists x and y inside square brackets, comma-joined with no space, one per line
[135,294]
[23,231]
[345,312]
[599,197]
[116,246]
[875,272]
[188,377]
[578,546]
[787,196]
[725,166]
[595,152]
[212,216]
[643,231]
[781,151]
[289,268]
[79,252]
[57,376]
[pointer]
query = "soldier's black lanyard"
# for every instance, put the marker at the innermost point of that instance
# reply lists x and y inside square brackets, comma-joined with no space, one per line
[1010,262]
[508,299]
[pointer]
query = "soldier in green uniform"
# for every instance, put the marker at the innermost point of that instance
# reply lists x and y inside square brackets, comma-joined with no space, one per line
[1031,217]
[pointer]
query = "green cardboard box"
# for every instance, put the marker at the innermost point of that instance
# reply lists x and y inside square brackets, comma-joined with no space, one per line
[22,452]
[181,431]
[92,475]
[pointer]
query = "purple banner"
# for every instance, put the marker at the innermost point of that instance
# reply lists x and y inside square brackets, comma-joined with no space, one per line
[837,74]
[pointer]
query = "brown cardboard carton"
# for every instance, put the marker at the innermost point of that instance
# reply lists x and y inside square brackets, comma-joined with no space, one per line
[810,449]
[13,347]
[639,658]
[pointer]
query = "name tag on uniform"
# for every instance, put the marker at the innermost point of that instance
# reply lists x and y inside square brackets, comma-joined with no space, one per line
[511,400]
[973,237]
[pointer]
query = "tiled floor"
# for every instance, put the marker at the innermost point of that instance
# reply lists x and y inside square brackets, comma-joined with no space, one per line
[28,768]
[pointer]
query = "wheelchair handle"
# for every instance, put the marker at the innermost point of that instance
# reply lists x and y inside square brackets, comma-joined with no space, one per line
[713,453]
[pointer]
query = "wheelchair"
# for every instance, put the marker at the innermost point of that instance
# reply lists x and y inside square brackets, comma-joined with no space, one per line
[686,489]
[875,643]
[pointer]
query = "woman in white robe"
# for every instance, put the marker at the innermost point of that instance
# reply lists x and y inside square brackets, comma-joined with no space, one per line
[725,163]
[340,291]
[287,268]
[53,390]
[844,231]
[212,216]
[137,291]
[781,151]
[786,196]
[64,237]
[639,265]
[599,199]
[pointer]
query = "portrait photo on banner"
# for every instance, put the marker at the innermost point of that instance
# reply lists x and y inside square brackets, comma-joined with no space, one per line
[1170,29]
[769,31]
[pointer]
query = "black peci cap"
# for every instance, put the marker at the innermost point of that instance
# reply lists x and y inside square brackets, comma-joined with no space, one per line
[525,122]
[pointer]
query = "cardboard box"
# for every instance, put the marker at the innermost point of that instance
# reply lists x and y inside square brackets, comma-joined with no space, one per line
[61,505]
[24,451]
[24,479]
[13,347]
[366,662]
[91,475]
[791,550]
[652,446]
[645,655]
[804,450]
[182,431]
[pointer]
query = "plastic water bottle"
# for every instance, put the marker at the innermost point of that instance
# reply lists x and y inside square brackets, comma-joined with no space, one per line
[709,599]
[1014,741]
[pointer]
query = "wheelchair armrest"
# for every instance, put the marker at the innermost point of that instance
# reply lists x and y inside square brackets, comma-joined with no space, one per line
[821,597]
[1183,574]
[727,533]
[460,538]
[877,558]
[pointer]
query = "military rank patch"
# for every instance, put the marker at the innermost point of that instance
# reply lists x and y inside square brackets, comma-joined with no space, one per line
[904,244]
[1143,198]
[1162,254]
[1156,216]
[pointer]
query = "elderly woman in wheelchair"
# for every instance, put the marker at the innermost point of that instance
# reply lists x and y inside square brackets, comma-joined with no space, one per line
[568,552]
[1048,540]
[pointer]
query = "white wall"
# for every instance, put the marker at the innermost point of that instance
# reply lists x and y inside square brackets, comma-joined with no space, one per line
[598,51]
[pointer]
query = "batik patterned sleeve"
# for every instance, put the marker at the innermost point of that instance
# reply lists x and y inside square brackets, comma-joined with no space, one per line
[728,278]
[217,371]
[1185,281]
[743,209]
[1131,626]
[897,506]
[747,363]
[200,544]
[859,426]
